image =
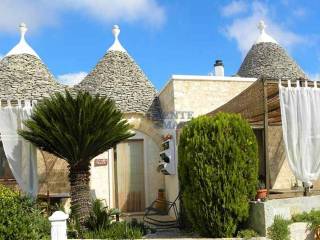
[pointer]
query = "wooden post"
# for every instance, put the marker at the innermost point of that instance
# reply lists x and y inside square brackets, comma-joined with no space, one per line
[266,124]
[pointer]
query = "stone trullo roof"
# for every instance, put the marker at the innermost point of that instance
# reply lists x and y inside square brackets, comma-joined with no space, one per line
[118,77]
[268,59]
[23,75]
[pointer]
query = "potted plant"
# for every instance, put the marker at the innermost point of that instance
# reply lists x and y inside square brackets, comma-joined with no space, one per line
[261,191]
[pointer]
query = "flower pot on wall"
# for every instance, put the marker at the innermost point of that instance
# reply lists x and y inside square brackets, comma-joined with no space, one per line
[261,194]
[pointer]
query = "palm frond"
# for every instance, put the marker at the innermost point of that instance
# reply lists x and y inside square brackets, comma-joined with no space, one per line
[76,128]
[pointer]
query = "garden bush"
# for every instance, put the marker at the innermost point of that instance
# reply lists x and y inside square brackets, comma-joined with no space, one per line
[102,224]
[247,234]
[279,230]
[100,216]
[218,172]
[20,218]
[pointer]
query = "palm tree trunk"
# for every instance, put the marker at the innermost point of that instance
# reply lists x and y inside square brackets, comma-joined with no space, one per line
[80,194]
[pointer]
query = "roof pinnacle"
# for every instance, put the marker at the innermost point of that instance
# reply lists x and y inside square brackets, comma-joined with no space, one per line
[22,47]
[23,29]
[264,37]
[116,46]
[262,26]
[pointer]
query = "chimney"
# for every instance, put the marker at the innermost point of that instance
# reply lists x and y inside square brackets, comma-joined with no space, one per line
[219,68]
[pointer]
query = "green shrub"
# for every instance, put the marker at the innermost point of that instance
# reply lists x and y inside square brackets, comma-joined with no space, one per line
[48,208]
[247,234]
[20,218]
[218,172]
[279,230]
[100,216]
[312,218]
[117,230]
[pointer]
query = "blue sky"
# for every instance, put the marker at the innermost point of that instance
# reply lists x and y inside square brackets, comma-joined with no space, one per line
[164,37]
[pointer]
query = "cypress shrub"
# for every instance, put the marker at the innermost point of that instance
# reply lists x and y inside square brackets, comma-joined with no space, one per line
[218,172]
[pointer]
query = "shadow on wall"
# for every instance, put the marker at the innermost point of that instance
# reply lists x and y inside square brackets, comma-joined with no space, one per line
[52,173]
[280,172]
[277,154]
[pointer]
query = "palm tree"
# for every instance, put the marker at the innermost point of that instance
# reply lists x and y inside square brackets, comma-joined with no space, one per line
[76,129]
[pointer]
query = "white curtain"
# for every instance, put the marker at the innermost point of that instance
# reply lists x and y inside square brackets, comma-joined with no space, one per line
[21,155]
[300,114]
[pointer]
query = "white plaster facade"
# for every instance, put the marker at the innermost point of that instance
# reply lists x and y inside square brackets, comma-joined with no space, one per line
[103,182]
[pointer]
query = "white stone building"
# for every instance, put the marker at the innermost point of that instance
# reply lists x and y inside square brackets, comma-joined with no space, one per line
[128,176]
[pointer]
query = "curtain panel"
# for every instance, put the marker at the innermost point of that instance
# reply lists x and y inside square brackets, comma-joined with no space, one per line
[21,155]
[300,115]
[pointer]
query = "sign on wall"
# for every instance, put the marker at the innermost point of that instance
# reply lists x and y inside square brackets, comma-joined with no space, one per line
[100,162]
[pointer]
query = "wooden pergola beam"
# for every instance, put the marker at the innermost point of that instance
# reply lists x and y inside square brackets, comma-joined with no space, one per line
[266,143]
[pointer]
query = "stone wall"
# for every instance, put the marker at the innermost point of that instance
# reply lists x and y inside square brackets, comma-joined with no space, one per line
[203,96]
[262,213]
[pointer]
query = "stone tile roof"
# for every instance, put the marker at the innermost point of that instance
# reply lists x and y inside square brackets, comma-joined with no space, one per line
[267,59]
[24,76]
[118,77]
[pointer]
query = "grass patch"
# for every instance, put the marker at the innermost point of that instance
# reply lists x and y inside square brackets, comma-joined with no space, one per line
[118,230]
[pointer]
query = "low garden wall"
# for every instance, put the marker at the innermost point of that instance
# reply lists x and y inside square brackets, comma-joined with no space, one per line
[263,213]
[257,238]
[298,231]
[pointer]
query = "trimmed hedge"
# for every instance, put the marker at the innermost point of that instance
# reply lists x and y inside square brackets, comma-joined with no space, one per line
[218,172]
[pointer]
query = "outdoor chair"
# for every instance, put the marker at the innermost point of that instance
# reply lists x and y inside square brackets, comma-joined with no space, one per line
[157,214]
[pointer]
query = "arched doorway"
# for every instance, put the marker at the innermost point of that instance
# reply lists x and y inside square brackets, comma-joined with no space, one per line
[135,173]
[130,174]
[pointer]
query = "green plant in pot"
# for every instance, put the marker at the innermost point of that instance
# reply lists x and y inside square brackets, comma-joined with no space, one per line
[261,190]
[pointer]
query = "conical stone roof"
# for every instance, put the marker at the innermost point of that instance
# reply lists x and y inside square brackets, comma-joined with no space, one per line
[24,76]
[268,59]
[118,77]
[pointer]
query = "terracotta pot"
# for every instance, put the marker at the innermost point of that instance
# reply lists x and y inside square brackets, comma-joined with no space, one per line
[161,194]
[261,194]
[161,204]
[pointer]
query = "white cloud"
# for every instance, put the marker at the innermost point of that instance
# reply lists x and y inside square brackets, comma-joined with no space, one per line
[71,79]
[34,12]
[234,8]
[39,13]
[117,10]
[244,29]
